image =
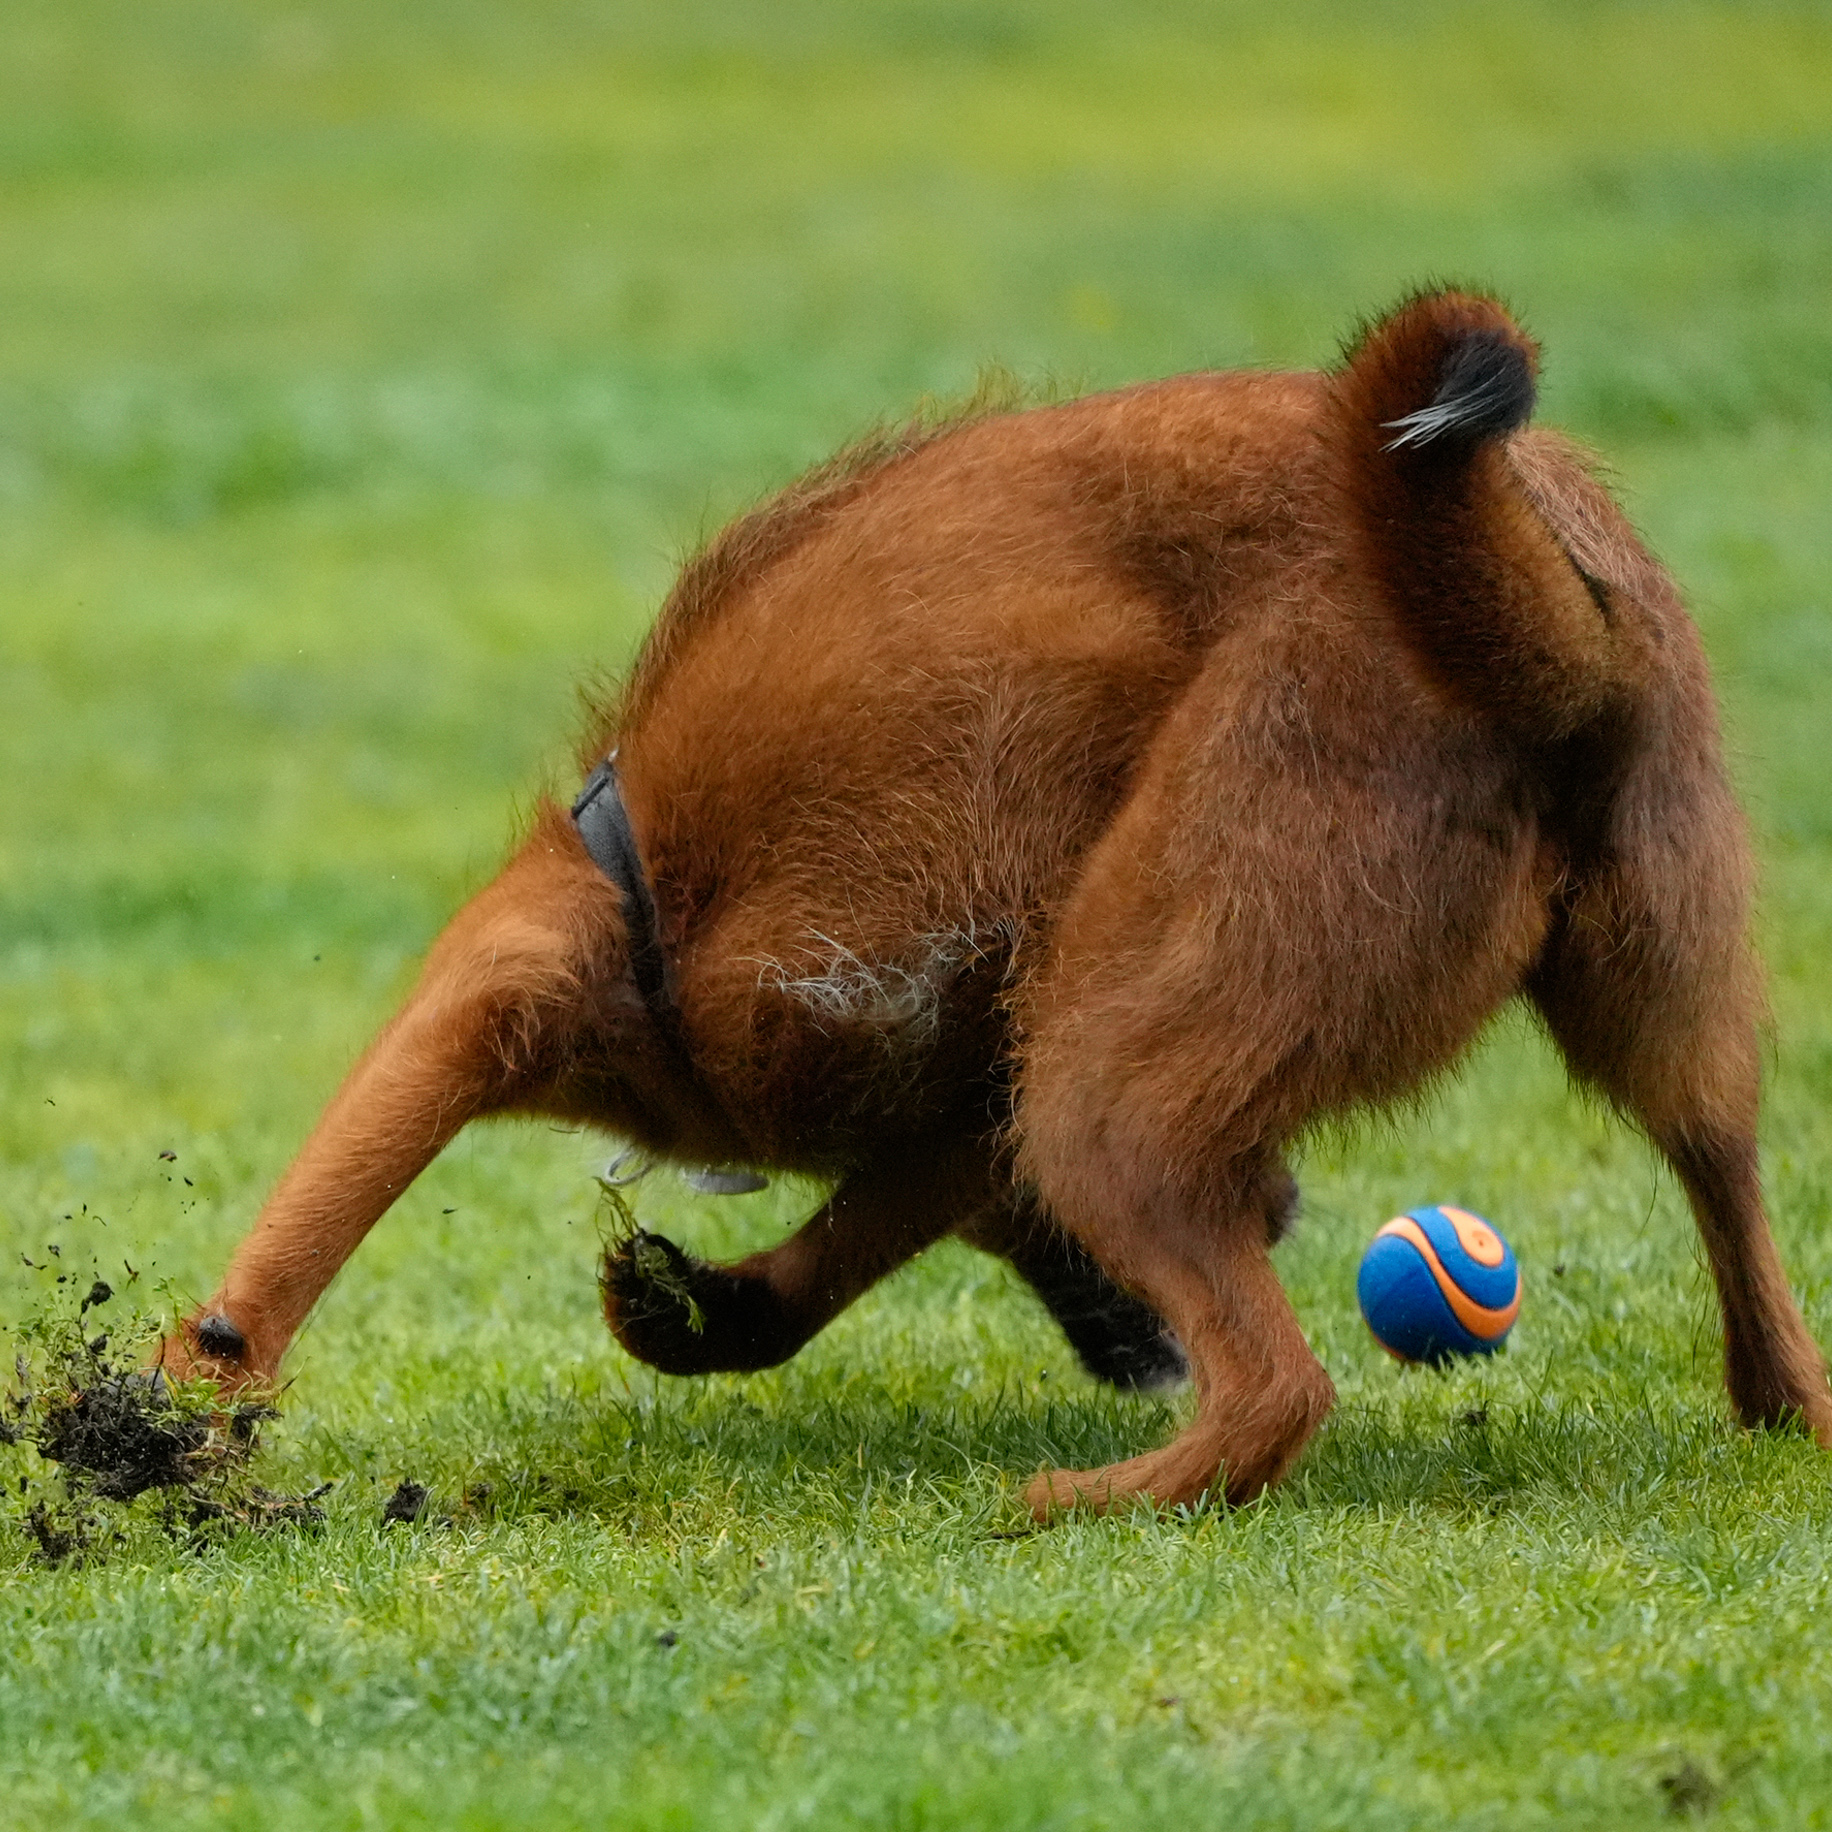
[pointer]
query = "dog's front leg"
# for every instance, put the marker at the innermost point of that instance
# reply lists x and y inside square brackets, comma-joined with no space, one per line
[489,1014]
[683,1316]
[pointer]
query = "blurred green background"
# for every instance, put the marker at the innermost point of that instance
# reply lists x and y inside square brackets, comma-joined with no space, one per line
[365,370]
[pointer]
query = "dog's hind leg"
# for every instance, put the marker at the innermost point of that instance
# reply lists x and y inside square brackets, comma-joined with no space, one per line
[683,1316]
[1205,1266]
[1654,1000]
[1311,903]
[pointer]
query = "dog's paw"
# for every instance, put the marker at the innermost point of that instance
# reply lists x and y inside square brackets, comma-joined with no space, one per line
[682,1316]
[1118,1339]
[1179,1475]
[1056,1492]
[1152,1362]
[209,1347]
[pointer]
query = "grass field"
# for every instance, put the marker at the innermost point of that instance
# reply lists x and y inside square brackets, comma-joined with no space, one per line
[364,371]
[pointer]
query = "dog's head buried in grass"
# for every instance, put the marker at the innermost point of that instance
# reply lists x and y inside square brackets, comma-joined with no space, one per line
[1034,823]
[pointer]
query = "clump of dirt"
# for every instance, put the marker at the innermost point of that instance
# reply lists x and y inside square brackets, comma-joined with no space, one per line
[120,1435]
[115,1429]
[1689,1790]
[55,1542]
[406,1504]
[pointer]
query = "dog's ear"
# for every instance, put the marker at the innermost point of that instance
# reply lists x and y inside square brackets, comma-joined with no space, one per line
[1421,413]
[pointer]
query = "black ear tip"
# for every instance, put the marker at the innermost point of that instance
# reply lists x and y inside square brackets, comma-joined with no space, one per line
[1489,377]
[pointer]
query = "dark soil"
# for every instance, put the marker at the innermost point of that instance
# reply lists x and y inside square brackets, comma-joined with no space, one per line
[121,1436]
[1689,1790]
[406,1504]
[57,1539]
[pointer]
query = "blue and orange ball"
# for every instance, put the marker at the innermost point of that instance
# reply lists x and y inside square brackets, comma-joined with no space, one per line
[1439,1282]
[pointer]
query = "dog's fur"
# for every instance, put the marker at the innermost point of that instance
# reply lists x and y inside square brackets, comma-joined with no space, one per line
[1053,814]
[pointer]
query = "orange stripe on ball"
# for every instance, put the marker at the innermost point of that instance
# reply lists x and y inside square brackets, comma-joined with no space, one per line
[1478,1319]
[1475,1236]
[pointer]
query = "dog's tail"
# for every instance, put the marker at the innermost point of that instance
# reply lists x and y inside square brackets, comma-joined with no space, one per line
[1425,404]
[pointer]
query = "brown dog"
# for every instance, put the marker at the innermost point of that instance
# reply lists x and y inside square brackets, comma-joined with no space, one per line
[1036,823]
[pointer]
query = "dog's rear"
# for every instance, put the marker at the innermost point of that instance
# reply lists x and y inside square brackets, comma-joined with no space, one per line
[1646,981]
[1251,738]
[1472,752]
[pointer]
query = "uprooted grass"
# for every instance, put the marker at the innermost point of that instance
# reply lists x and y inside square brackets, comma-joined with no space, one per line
[97,1428]
[642,1260]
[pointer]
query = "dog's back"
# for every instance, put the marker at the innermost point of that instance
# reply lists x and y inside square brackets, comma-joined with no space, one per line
[865,772]
[880,723]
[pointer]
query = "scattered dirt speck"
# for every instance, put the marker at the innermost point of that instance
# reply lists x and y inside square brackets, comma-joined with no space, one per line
[1689,1790]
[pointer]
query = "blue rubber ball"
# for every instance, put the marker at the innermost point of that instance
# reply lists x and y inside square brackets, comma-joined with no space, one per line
[1439,1282]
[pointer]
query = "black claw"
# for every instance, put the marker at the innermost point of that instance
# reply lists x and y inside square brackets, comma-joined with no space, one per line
[218,1337]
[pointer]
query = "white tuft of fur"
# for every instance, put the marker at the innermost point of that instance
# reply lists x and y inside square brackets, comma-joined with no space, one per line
[1422,427]
[901,999]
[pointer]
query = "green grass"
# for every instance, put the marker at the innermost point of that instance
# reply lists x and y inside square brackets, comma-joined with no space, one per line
[363,372]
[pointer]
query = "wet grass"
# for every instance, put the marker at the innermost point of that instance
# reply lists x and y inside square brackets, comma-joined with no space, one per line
[362,373]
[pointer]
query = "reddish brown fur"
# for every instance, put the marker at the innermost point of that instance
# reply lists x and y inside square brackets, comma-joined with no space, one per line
[1062,811]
